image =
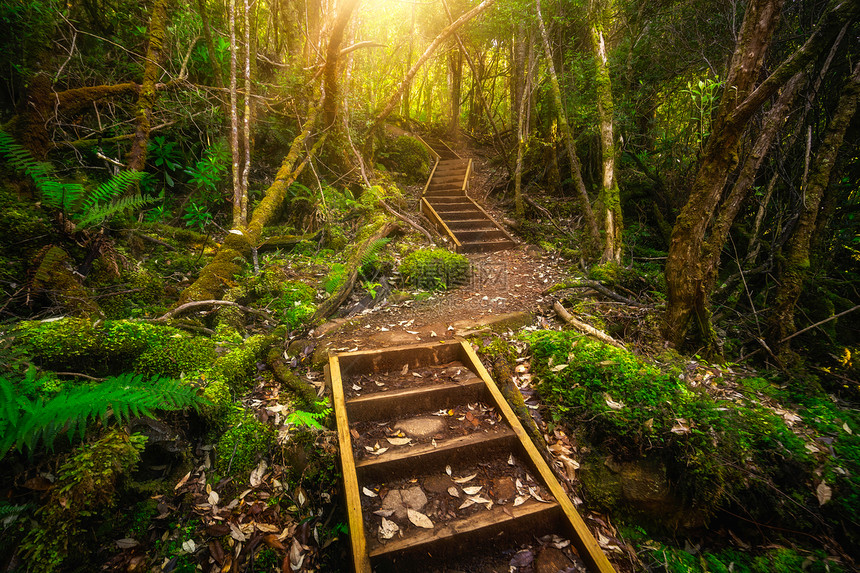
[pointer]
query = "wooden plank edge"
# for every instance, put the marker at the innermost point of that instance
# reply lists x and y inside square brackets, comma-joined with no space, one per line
[593,554]
[496,223]
[432,171]
[360,558]
[465,187]
[426,203]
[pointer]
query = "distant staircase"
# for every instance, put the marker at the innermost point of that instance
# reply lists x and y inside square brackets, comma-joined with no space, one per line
[446,203]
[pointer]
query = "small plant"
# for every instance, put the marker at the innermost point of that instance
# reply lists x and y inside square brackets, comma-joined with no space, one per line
[371,288]
[434,269]
[208,172]
[197,215]
[164,154]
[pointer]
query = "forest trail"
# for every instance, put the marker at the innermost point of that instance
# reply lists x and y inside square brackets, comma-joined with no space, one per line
[447,204]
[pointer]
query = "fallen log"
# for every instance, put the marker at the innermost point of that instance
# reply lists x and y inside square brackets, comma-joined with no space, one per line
[306,393]
[583,327]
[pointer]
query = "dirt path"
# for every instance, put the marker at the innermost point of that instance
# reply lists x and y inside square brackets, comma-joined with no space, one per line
[501,284]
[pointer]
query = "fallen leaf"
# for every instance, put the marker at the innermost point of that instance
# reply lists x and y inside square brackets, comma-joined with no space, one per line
[419,519]
[523,558]
[189,546]
[452,491]
[448,470]
[272,541]
[846,428]
[388,529]
[467,503]
[354,433]
[823,493]
[369,492]
[297,555]
[398,441]
[356,387]
[511,460]
[465,479]
[257,474]
[520,499]
[384,512]
[559,367]
[417,375]
[380,451]
[534,493]
[182,481]
[126,543]
[680,426]
[405,369]
[612,403]
[472,490]
[213,497]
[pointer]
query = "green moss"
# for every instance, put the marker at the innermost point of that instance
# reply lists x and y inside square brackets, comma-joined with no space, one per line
[434,269]
[219,397]
[406,155]
[238,366]
[174,356]
[244,443]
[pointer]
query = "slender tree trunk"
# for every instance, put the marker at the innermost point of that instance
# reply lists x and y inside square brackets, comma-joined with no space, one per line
[443,35]
[609,194]
[146,99]
[455,64]
[575,166]
[246,118]
[408,88]
[238,222]
[796,265]
[522,136]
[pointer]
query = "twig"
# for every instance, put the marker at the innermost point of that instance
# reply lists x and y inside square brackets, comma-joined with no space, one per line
[188,306]
[407,220]
[819,323]
[79,375]
[583,327]
[153,239]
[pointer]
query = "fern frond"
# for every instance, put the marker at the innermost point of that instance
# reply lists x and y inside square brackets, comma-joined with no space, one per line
[107,191]
[99,213]
[27,423]
[373,250]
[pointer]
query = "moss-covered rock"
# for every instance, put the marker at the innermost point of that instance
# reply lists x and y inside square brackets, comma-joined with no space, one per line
[434,269]
[175,356]
[244,443]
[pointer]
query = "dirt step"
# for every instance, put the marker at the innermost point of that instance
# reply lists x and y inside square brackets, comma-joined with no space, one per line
[462,205]
[463,215]
[452,198]
[479,235]
[395,404]
[487,246]
[476,225]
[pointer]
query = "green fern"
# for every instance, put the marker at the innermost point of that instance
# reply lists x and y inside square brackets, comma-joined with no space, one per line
[25,423]
[86,207]
[310,419]
[371,254]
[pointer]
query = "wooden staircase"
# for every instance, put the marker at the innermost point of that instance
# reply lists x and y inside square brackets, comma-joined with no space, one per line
[446,203]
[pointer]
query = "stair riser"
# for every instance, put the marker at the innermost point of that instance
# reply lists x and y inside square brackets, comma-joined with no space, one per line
[477,225]
[446,199]
[486,247]
[453,207]
[477,236]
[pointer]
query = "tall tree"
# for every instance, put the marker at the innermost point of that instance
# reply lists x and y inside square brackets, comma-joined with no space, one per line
[609,194]
[570,144]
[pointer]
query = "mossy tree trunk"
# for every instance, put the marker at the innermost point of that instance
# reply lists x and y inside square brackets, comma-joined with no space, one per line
[564,127]
[609,194]
[796,266]
[332,59]
[148,93]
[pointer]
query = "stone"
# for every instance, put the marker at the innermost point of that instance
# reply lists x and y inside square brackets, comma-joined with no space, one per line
[398,500]
[504,488]
[438,483]
[551,560]
[423,427]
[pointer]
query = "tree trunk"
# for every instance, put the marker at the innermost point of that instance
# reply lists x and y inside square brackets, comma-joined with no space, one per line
[238,223]
[146,99]
[246,117]
[609,193]
[796,265]
[443,35]
[575,167]
[330,72]
[237,246]
[455,66]
[522,136]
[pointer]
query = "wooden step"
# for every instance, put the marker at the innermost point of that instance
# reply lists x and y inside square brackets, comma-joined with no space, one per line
[408,402]
[464,215]
[452,207]
[475,448]
[484,530]
[477,224]
[450,198]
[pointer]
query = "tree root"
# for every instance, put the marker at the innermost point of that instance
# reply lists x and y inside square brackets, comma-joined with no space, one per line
[585,283]
[306,393]
[188,306]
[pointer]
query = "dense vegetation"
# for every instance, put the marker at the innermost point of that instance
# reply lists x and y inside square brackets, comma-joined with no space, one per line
[188,190]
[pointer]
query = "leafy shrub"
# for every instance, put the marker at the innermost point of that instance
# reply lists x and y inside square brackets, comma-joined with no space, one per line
[434,269]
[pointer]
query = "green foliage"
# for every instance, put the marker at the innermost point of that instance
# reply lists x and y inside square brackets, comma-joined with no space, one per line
[310,419]
[630,407]
[335,278]
[165,155]
[244,443]
[207,173]
[86,483]
[237,366]
[434,269]
[86,207]
[406,155]
[175,356]
[197,215]
[27,423]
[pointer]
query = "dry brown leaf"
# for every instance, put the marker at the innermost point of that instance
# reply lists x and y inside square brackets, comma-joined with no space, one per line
[398,441]
[823,493]
[257,474]
[213,497]
[473,489]
[419,519]
[464,479]
[388,529]
[452,491]
[369,492]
